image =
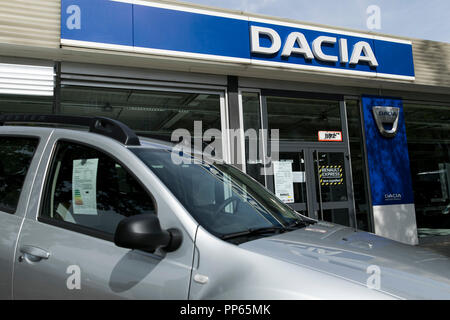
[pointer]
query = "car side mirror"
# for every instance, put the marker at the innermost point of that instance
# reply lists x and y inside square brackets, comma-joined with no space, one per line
[143,231]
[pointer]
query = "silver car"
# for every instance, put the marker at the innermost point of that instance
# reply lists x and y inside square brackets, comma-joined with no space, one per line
[103,214]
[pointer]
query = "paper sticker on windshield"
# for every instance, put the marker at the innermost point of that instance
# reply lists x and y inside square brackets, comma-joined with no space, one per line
[283,179]
[84,186]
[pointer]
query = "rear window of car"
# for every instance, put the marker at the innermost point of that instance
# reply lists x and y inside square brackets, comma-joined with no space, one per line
[16,154]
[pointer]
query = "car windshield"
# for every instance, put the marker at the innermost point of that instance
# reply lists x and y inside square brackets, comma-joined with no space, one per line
[222,199]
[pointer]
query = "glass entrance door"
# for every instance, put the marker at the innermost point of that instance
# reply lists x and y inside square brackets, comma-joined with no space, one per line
[315,181]
[295,162]
[332,201]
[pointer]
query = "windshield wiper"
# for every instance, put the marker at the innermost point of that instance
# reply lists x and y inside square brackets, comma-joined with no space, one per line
[298,224]
[253,231]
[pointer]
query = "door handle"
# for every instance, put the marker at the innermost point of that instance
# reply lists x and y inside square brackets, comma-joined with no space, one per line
[33,254]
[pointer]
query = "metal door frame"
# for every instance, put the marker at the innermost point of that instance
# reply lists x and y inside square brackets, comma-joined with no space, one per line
[349,204]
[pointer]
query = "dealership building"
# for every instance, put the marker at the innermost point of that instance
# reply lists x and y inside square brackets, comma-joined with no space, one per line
[358,123]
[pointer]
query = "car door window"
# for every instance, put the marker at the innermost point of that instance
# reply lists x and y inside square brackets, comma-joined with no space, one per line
[16,155]
[89,189]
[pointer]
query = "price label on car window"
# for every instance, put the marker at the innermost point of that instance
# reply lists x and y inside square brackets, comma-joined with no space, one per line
[330,136]
[84,186]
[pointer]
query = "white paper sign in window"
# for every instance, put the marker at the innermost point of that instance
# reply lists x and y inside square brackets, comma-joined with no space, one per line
[298,176]
[84,186]
[283,180]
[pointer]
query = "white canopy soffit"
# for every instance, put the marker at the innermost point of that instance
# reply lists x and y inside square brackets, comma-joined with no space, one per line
[26,79]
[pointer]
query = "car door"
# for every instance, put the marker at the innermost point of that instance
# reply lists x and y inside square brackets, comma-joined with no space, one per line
[18,162]
[66,249]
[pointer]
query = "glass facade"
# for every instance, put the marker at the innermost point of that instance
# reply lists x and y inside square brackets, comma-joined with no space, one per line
[301,119]
[305,157]
[331,188]
[252,139]
[360,186]
[149,113]
[429,153]
[297,160]
[158,112]
[26,104]
[330,191]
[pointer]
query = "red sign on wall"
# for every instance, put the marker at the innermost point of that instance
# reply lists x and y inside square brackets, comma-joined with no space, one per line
[330,135]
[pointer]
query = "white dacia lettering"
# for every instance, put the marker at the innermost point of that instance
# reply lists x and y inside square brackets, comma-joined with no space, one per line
[296,43]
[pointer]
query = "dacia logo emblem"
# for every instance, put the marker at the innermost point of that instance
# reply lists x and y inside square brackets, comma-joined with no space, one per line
[385,117]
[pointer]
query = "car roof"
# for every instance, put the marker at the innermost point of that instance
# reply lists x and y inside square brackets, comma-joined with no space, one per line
[155,143]
[105,127]
[145,141]
[108,127]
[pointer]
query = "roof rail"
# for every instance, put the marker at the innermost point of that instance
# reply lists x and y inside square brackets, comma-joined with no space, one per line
[101,125]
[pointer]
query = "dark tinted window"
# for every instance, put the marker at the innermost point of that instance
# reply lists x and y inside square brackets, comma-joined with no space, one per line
[358,165]
[301,119]
[253,143]
[16,155]
[149,113]
[88,188]
[429,154]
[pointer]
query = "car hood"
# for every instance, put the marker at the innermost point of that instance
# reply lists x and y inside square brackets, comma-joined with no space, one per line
[397,269]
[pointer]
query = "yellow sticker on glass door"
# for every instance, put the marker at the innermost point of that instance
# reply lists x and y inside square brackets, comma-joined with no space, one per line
[331,175]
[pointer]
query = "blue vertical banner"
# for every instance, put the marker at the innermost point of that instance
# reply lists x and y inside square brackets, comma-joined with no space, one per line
[387,156]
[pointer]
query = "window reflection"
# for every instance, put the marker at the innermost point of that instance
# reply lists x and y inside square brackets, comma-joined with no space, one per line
[301,119]
[358,165]
[150,113]
[16,156]
[429,153]
[252,121]
[10,103]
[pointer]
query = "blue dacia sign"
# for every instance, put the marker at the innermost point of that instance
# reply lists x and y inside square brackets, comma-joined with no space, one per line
[162,29]
[387,151]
